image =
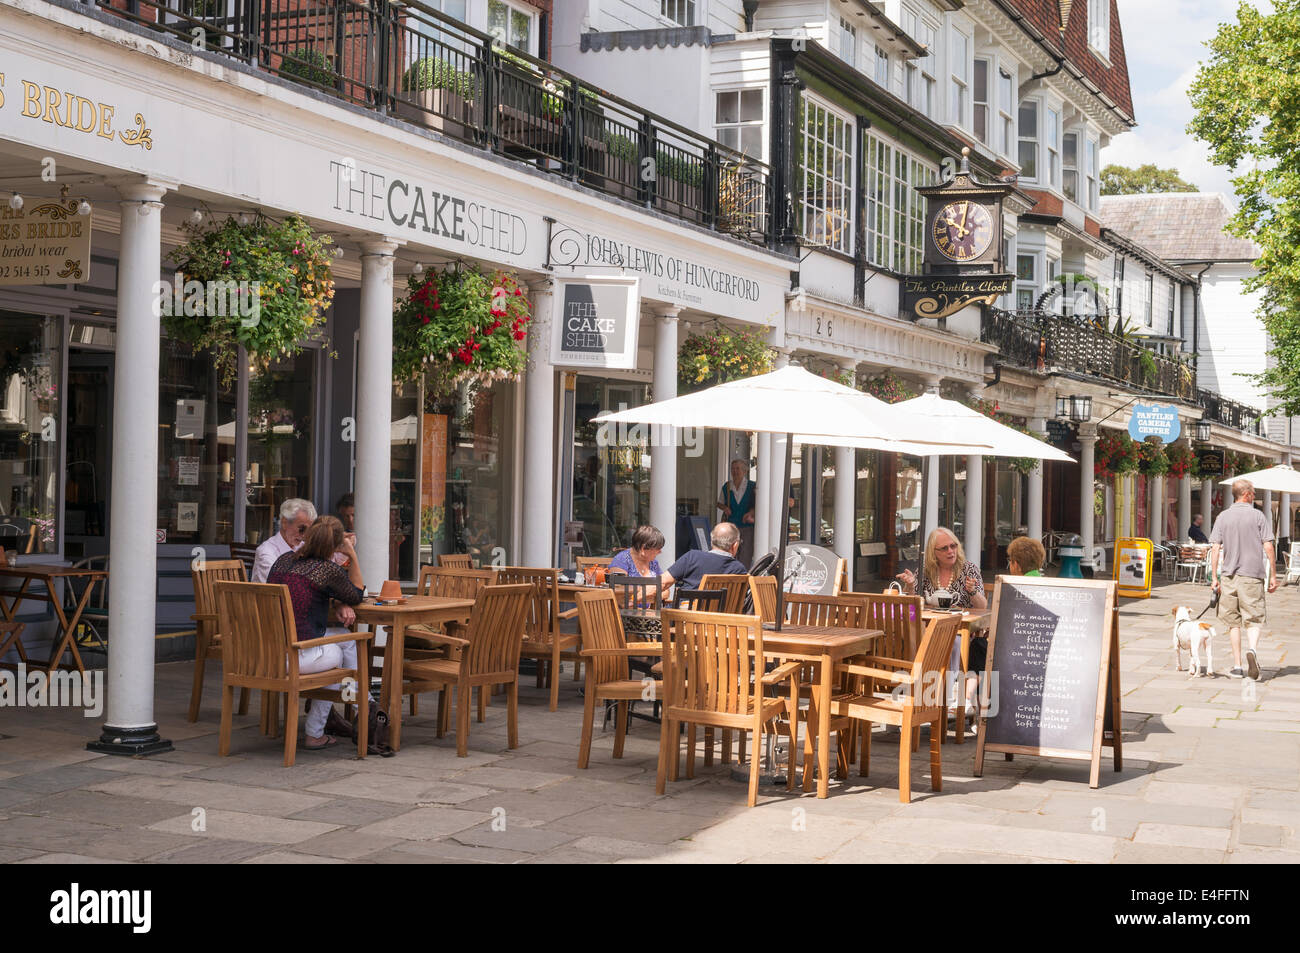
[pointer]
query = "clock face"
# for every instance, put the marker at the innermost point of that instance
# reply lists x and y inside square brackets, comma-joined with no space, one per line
[963,230]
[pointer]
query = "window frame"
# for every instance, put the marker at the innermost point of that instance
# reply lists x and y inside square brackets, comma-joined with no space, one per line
[1092,173]
[986,103]
[1099,28]
[882,61]
[740,124]
[896,245]
[1067,169]
[513,6]
[959,82]
[692,8]
[1022,138]
[844,243]
[847,29]
[1052,144]
[1030,285]
[1006,110]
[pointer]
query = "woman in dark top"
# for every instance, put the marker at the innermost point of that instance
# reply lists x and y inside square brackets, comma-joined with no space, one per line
[314,579]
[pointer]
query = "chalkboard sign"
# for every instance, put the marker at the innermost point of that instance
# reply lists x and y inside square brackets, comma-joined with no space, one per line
[1052,670]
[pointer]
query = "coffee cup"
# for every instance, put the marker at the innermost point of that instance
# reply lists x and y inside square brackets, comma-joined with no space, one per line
[944,598]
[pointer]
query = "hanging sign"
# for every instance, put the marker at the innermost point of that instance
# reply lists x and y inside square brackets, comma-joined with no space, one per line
[44,243]
[937,296]
[1154,420]
[1209,463]
[597,323]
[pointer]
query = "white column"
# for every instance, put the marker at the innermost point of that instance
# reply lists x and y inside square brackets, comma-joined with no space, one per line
[374,467]
[846,480]
[930,469]
[763,497]
[663,449]
[539,433]
[1207,505]
[1268,506]
[974,534]
[1155,509]
[1034,504]
[129,726]
[1184,507]
[1087,442]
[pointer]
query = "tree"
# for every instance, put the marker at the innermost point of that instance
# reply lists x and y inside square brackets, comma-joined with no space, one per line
[1246,98]
[1121,180]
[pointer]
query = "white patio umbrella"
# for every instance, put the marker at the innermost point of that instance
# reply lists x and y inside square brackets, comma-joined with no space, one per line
[802,406]
[1280,479]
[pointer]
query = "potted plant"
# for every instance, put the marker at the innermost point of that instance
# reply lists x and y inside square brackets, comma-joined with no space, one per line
[890,388]
[1116,454]
[720,355]
[462,326]
[680,177]
[1182,461]
[1153,460]
[311,67]
[438,95]
[261,285]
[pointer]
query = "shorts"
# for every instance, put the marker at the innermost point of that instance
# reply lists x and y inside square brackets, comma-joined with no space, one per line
[1241,601]
[979,653]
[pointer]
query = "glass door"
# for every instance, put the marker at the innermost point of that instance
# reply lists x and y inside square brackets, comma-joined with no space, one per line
[281,435]
[89,459]
[611,466]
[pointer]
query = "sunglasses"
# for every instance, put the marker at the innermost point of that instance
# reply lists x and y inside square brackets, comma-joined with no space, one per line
[944,549]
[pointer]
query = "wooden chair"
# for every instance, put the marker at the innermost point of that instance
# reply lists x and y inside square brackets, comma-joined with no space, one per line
[455,561]
[423,641]
[899,617]
[736,586]
[489,655]
[246,553]
[714,667]
[841,577]
[587,562]
[699,600]
[639,600]
[259,650]
[764,591]
[207,639]
[609,679]
[921,701]
[543,640]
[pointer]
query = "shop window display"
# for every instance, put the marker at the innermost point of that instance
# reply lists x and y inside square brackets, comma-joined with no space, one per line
[31,377]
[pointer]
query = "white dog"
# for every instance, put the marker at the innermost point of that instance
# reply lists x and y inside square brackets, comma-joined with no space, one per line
[1192,635]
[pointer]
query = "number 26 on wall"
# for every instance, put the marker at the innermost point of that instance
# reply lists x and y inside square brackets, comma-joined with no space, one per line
[829,322]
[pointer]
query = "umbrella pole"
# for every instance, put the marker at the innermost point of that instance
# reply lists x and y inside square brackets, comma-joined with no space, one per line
[785,535]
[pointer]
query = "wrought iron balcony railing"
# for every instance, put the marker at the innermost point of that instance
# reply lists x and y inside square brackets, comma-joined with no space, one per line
[1230,413]
[1047,342]
[412,62]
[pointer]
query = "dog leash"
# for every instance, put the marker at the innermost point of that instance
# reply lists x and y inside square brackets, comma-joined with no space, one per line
[1214,602]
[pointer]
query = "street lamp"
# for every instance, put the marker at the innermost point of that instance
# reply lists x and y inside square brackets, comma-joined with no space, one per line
[1202,431]
[1062,407]
[1080,408]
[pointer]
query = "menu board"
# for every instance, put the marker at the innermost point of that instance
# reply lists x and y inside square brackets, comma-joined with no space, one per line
[1052,669]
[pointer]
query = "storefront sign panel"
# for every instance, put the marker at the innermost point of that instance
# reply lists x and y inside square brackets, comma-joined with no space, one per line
[1154,420]
[937,296]
[597,323]
[44,243]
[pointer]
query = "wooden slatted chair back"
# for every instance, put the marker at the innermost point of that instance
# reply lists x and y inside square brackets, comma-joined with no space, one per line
[541,623]
[764,592]
[699,600]
[590,562]
[455,561]
[932,661]
[637,595]
[213,571]
[245,553]
[899,617]
[257,628]
[736,586]
[848,611]
[453,583]
[602,628]
[496,630]
[708,665]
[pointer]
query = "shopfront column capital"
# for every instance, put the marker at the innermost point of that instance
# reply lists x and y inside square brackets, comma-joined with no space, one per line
[540,285]
[932,383]
[144,191]
[378,247]
[1088,432]
[849,365]
[782,356]
[667,313]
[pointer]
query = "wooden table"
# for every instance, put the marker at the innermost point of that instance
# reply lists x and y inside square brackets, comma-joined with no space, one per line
[48,574]
[825,647]
[928,616]
[415,610]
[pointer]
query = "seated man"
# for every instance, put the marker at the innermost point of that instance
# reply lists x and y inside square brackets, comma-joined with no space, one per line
[696,564]
[295,516]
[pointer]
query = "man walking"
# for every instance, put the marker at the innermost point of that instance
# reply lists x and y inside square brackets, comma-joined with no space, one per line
[1241,556]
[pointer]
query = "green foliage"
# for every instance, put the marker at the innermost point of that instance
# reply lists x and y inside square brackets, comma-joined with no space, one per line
[555,91]
[890,388]
[1147,361]
[1153,459]
[683,168]
[1145,179]
[460,325]
[433,73]
[286,266]
[1116,453]
[310,66]
[721,355]
[1246,98]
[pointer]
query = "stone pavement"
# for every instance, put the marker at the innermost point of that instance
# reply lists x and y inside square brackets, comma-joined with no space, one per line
[1211,775]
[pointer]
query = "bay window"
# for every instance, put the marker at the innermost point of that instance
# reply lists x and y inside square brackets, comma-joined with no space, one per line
[1070,159]
[895,211]
[826,157]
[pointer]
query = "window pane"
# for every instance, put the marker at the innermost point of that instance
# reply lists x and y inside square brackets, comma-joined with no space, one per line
[1029,159]
[981,81]
[31,373]
[982,123]
[751,105]
[1071,150]
[1025,267]
[1029,120]
[521,31]
[729,136]
[498,17]
[751,141]
[728,107]
[1071,185]
[280,430]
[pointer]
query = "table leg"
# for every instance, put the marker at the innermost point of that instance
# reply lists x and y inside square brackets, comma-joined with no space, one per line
[8,608]
[68,629]
[959,703]
[386,687]
[824,726]
[395,651]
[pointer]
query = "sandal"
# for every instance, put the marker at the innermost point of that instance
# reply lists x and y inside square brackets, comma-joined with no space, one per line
[337,725]
[329,742]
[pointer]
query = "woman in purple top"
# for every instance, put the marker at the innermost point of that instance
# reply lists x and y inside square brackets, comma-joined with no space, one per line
[642,557]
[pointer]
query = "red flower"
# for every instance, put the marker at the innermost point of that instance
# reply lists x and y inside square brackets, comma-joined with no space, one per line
[519,292]
[425,319]
[519,335]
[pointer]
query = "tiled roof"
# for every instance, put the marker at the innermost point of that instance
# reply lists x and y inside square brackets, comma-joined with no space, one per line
[1178,226]
[1112,79]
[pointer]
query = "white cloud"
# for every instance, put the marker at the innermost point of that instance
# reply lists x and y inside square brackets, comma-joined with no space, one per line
[1164,43]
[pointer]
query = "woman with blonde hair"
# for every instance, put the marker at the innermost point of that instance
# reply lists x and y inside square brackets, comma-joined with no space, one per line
[946,569]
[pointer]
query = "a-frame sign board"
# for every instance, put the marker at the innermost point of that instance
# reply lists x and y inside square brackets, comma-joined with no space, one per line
[1051,685]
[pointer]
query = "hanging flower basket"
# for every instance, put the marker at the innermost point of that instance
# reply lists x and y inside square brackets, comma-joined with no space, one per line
[990,409]
[264,286]
[890,388]
[721,355]
[463,325]
[1116,453]
[1182,461]
[1153,459]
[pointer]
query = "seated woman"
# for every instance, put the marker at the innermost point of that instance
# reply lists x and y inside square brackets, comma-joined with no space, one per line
[947,569]
[314,579]
[1025,556]
[640,559]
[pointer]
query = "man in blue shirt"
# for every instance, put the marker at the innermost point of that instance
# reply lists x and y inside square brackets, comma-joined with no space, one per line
[696,564]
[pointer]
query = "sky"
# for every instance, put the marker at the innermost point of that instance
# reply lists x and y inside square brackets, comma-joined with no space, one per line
[1160,74]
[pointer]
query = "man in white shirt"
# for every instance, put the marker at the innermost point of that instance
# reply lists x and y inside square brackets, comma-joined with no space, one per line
[295,516]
